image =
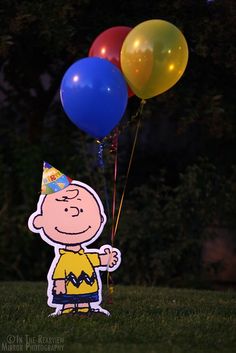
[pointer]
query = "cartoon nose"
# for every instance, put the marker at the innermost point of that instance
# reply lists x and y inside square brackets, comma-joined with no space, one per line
[76,211]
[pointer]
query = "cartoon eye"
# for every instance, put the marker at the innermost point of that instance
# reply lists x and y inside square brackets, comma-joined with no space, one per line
[66,209]
[81,210]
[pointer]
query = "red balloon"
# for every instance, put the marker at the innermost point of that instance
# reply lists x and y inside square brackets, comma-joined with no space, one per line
[108,45]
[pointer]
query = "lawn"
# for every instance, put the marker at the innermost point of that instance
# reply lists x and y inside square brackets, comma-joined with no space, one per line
[144,319]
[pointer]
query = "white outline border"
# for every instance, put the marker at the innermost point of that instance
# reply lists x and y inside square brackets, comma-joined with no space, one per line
[96,305]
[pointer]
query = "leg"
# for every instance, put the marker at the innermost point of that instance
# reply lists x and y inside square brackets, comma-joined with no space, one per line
[68,309]
[83,307]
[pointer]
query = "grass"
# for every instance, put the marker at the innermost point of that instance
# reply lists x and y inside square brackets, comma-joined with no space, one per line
[144,319]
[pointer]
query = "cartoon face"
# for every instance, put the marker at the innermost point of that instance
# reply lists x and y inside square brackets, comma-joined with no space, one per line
[70,216]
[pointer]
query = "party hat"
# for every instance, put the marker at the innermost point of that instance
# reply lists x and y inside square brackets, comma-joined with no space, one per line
[53,180]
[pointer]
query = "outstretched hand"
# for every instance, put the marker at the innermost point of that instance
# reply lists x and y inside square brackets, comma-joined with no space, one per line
[109,258]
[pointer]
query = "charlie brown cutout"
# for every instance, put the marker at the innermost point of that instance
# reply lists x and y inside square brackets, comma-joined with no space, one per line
[69,217]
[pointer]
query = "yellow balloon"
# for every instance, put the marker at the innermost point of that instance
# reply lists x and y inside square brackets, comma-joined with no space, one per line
[154,56]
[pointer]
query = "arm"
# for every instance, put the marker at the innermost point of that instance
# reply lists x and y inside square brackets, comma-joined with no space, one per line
[110,257]
[59,286]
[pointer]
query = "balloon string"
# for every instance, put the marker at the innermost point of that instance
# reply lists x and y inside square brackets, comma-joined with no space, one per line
[129,167]
[138,114]
[101,165]
[114,148]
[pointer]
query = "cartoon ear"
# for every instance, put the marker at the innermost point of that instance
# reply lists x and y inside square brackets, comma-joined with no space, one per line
[37,221]
[102,219]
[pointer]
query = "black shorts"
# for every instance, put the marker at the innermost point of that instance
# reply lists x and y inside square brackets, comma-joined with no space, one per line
[75,298]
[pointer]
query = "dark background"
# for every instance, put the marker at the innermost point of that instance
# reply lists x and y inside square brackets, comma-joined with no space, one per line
[178,221]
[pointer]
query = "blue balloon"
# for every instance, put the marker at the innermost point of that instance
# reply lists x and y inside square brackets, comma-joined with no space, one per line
[94,95]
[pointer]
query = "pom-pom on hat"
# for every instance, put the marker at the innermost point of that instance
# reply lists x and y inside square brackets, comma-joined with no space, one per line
[53,180]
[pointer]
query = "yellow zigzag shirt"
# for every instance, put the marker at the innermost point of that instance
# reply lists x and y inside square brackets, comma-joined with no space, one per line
[77,263]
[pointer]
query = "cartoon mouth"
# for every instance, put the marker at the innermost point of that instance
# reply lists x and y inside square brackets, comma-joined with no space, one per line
[72,233]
